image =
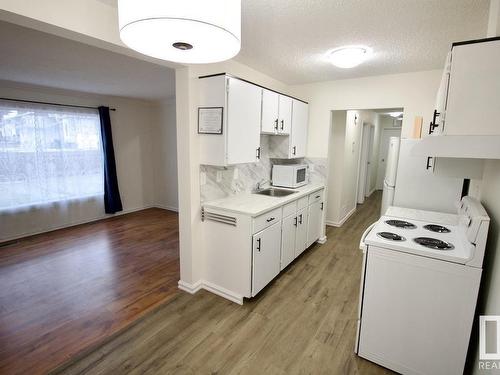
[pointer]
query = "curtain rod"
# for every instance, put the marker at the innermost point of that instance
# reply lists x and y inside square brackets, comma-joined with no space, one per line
[57,104]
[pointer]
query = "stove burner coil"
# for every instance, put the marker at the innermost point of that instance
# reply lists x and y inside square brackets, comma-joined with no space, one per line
[400,224]
[437,228]
[391,236]
[433,243]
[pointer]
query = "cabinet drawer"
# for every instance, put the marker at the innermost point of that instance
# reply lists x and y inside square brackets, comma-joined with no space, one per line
[269,218]
[302,202]
[316,196]
[290,209]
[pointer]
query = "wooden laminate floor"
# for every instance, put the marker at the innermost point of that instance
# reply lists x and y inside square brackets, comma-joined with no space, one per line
[64,292]
[303,323]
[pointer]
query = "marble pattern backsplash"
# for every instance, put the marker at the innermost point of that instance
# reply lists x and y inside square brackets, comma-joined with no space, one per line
[221,182]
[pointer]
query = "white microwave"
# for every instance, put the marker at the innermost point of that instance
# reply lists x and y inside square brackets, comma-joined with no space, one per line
[290,175]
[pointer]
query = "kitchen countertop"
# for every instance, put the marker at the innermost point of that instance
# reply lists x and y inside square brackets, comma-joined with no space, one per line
[256,204]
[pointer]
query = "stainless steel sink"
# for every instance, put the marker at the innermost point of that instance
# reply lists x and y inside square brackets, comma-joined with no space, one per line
[273,192]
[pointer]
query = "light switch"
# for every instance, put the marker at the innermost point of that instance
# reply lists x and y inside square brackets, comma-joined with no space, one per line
[236,173]
[219,176]
[203,178]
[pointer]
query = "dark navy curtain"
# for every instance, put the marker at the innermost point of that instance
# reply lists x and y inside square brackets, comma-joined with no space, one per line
[112,201]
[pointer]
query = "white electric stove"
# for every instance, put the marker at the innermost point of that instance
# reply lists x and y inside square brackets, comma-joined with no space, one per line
[419,287]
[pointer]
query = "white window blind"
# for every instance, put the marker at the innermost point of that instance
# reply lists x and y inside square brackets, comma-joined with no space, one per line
[48,154]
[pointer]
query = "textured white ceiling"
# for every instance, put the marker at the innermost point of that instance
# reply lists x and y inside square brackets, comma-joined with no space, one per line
[33,57]
[287,39]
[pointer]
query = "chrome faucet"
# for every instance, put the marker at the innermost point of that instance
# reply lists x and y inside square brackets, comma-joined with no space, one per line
[258,185]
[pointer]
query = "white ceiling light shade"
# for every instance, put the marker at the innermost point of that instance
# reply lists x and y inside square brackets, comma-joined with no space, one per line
[183,31]
[349,57]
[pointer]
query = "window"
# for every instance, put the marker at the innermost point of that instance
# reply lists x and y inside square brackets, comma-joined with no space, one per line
[48,153]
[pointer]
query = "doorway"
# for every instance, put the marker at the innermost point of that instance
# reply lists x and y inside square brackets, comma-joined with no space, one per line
[357,154]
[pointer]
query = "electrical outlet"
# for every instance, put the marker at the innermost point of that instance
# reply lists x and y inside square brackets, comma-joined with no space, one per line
[203,178]
[236,173]
[219,176]
[311,167]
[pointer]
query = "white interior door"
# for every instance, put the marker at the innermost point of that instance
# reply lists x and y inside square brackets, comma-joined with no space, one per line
[382,154]
[369,167]
[363,164]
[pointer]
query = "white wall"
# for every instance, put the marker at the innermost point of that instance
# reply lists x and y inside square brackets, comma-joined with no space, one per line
[134,128]
[165,156]
[415,92]
[344,159]
[190,225]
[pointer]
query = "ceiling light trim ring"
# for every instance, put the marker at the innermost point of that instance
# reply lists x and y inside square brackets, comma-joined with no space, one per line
[180,19]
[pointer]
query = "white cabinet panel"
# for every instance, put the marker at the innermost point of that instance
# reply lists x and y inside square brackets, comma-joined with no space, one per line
[298,135]
[285,114]
[270,112]
[314,222]
[243,118]
[288,231]
[474,88]
[301,235]
[266,257]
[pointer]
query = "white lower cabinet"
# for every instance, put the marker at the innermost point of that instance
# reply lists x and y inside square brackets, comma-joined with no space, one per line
[266,257]
[315,213]
[301,235]
[244,253]
[288,234]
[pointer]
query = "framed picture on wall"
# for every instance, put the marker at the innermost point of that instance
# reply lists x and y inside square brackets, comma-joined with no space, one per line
[210,120]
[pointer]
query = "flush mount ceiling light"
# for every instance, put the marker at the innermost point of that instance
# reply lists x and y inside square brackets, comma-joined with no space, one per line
[183,31]
[349,57]
[395,114]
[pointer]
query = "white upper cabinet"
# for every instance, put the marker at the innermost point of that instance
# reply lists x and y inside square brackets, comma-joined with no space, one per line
[298,136]
[472,101]
[276,113]
[241,105]
[270,112]
[285,111]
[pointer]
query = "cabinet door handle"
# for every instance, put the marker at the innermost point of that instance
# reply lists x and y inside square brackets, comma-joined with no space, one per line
[258,153]
[295,221]
[433,124]
[300,219]
[428,165]
[258,244]
[276,124]
[294,150]
[318,196]
[270,219]
[322,206]
[282,124]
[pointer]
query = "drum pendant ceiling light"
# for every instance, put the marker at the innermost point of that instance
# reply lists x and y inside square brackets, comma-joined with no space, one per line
[183,31]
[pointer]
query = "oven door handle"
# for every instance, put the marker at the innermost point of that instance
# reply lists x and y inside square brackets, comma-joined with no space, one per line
[362,245]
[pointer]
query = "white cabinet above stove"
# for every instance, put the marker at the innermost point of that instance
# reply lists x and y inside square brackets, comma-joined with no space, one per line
[466,122]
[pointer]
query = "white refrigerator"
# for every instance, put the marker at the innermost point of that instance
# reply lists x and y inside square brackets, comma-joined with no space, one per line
[417,186]
[390,174]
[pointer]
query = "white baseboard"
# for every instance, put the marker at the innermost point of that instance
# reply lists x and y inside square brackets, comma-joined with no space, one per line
[371,192]
[190,288]
[169,208]
[223,292]
[322,240]
[342,221]
[215,289]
